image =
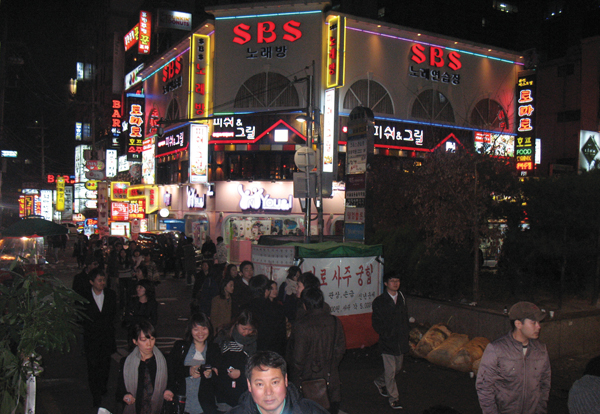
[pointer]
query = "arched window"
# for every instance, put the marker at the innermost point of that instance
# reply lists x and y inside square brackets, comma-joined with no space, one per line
[173,110]
[433,106]
[488,114]
[370,94]
[267,90]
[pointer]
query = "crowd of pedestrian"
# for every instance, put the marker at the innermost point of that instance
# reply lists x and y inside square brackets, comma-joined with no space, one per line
[253,347]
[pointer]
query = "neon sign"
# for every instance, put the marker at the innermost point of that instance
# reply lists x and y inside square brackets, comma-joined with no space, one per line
[265,32]
[335,51]
[253,199]
[194,200]
[198,153]
[173,142]
[199,76]
[525,143]
[131,37]
[135,143]
[145,32]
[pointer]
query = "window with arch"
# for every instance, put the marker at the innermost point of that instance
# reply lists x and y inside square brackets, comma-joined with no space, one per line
[433,106]
[370,94]
[267,90]
[488,114]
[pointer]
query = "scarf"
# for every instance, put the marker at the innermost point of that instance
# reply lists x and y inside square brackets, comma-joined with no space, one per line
[130,375]
[248,342]
[291,287]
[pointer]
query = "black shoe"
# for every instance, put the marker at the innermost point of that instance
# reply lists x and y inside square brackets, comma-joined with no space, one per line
[396,405]
[382,390]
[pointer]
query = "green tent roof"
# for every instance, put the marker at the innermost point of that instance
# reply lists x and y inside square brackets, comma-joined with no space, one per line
[333,249]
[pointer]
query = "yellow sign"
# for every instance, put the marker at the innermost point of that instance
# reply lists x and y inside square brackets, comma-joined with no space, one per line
[118,191]
[335,50]
[146,192]
[200,77]
[60,194]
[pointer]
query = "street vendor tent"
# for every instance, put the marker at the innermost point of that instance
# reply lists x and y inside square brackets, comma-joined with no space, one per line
[350,275]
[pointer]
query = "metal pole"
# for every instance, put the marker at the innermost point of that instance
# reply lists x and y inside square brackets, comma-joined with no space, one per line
[320,222]
[308,143]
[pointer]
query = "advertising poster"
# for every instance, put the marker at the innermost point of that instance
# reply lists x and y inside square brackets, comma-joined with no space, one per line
[349,284]
[198,153]
[589,150]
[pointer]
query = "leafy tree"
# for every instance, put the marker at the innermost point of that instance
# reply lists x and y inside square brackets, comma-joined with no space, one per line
[36,312]
[449,197]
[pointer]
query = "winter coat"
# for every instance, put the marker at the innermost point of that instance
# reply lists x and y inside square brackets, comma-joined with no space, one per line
[294,404]
[315,349]
[510,382]
[390,321]
[271,324]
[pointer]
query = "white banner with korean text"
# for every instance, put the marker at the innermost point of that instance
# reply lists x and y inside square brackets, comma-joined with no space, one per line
[349,284]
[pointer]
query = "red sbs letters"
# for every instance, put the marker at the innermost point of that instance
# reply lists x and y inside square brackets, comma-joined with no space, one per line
[436,57]
[172,69]
[266,32]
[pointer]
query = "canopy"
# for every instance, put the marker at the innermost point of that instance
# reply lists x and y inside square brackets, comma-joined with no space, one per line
[34,227]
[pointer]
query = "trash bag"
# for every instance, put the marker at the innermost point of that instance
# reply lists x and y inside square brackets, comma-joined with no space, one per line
[432,339]
[443,354]
[470,352]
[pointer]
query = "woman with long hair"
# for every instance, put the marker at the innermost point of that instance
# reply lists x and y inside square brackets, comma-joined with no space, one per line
[237,344]
[143,375]
[191,372]
[143,306]
[220,311]
[287,293]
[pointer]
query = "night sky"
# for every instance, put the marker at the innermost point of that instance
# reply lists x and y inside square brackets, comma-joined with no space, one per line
[40,50]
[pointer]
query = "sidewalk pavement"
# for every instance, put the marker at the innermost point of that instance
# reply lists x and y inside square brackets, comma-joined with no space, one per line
[63,389]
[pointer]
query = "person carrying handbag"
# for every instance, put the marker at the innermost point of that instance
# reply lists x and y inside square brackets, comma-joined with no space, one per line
[315,349]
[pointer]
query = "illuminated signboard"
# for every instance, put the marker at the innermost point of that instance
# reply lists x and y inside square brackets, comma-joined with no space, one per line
[335,50]
[118,191]
[329,131]
[78,131]
[174,20]
[525,143]
[133,77]
[111,163]
[80,168]
[255,199]
[60,194]
[147,192]
[119,211]
[135,139]
[241,129]
[116,115]
[589,150]
[26,205]
[148,162]
[267,32]
[137,209]
[198,153]
[442,66]
[46,203]
[132,37]
[9,154]
[145,32]
[497,145]
[199,76]
[173,142]
[68,179]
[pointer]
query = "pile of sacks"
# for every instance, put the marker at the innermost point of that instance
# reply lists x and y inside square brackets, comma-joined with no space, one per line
[451,350]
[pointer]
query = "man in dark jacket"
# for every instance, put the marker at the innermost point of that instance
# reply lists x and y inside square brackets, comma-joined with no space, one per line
[390,321]
[316,347]
[241,288]
[99,333]
[268,389]
[514,373]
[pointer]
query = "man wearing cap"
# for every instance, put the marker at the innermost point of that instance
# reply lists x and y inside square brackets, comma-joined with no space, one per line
[514,374]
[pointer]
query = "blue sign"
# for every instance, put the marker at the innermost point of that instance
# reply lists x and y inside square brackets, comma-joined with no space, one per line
[354,232]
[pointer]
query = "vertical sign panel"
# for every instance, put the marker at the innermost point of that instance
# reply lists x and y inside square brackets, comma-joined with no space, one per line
[329,131]
[198,153]
[335,50]
[145,33]
[525,145]
[199,76]
[60,194]
[135,133]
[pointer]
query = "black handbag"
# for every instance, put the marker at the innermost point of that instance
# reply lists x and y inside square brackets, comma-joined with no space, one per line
[317,390]
[177,406]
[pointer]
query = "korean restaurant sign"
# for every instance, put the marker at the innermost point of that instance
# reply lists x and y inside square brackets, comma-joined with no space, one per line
[335,47]
[135,129]
[145,32]
[173,142]
[525,142]
[200,66]
[60,193]
[239,129]
[286,41]
[435,64]
[349,284]
[118,191]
